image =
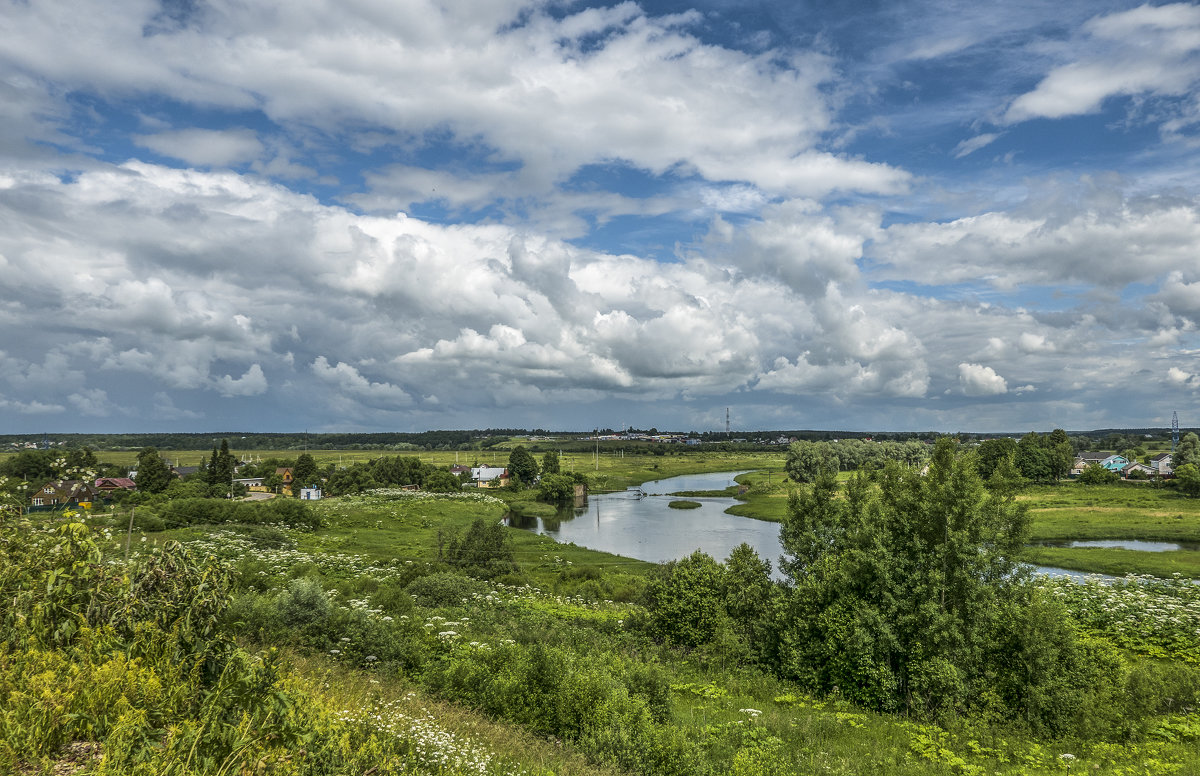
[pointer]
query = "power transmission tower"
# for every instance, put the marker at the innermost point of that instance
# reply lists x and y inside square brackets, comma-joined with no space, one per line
[1174,430]
[726,420]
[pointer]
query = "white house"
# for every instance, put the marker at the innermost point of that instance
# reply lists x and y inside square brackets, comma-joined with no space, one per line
[1161,464]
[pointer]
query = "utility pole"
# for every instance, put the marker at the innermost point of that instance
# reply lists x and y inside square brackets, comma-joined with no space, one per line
[129,534]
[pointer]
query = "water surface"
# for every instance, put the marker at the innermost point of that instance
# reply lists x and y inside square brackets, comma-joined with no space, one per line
[637,523]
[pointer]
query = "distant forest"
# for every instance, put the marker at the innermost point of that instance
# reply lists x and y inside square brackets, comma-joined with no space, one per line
[483,439]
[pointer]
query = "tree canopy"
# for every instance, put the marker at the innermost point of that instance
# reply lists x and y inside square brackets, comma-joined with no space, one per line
[522,468]
[153,473]
[1188,451]
[899,588]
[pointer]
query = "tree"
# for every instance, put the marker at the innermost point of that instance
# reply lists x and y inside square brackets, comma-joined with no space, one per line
[898,589]
[1095,474]
[685,599]
[353,479]
[400,470]
[550,463]
[1188,478]
[1062,453]
[751,601]
[31,465]
[442,482]
[806,461]
[1034,459]
[304,473]
[556,488]
[991,451]
[221,465]
[522,468]
[1187,452]
[153,473]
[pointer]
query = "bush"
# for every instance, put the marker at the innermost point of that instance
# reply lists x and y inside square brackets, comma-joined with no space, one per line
[686,600]
[445,589]
[483,551]
[1095,474]
[556,488]
[303,604]
[442,482]
[212,511]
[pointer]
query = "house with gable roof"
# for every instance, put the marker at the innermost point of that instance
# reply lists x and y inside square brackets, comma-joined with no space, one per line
[63,493]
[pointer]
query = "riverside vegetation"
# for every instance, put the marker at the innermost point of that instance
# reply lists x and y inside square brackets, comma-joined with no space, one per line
[406,632]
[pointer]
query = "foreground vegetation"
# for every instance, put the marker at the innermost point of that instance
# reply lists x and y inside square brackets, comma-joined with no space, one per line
[407,632]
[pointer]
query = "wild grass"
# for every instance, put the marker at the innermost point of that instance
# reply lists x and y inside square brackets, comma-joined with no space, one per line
[1117,562]
[1120,511]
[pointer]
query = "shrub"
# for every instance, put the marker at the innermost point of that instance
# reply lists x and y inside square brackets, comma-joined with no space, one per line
[556,488]
[215,511]
[303,603]
[442,482]
[686,600]
[445,589]
[484,550]
[1095,474]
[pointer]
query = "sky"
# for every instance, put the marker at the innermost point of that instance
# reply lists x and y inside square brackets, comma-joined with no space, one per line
[400,215]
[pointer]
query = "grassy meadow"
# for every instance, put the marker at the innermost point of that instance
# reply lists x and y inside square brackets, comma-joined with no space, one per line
[389,660]
[443,702]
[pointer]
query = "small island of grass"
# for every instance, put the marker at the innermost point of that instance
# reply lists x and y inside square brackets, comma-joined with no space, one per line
[684,504]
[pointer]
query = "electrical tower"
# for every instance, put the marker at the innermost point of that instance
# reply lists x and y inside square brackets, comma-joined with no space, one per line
[1174,430]
[726,420]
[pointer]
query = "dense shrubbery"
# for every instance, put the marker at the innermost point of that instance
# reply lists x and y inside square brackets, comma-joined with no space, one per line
[129,672]
[202,511]
[484,550]
[553,691]
[1095,474]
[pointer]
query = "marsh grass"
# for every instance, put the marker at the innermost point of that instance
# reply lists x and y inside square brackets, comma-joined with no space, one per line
[1117,562]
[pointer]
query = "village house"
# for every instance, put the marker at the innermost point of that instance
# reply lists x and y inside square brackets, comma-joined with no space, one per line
[62,493]
[108,485]
[285,474]
[1110,461]
[489,476]
[1140,469]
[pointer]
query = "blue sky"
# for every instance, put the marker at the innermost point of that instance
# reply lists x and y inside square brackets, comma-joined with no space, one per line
[400,215]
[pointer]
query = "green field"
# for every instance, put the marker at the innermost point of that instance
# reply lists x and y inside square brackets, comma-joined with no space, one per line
[574,607]
[548,668]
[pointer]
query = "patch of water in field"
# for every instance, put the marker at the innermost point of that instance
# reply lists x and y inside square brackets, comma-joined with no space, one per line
[1127,544]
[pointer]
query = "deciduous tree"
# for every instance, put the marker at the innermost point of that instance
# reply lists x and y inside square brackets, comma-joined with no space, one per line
[1187,452]
[897,590]
[807,461]
[153,473]
[522,468]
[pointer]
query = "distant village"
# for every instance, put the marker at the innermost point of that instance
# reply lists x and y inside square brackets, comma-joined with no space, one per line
[57,494]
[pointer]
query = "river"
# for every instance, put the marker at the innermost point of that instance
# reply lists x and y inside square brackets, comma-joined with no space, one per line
[638,523]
